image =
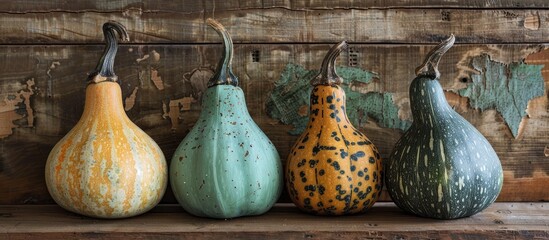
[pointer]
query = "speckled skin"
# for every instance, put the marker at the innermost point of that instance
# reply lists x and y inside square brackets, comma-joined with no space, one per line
[106,167]
[333,169]
[226,166]
[442,167]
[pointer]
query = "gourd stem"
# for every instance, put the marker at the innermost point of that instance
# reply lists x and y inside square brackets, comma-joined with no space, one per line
[429,68]
[104,68]
[224,73]
[328,74]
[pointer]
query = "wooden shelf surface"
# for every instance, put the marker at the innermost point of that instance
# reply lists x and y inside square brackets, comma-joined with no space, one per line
[284,221]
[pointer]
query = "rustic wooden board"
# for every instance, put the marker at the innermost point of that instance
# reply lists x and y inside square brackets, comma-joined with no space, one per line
[281,25]
[26,6]
[170,79]
[384,221]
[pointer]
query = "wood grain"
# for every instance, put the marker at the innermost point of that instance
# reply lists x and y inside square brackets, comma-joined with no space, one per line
[282,25]
[384,221]
[26,6]
[170,79]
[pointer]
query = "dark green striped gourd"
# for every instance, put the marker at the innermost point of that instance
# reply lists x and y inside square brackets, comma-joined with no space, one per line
[442,167]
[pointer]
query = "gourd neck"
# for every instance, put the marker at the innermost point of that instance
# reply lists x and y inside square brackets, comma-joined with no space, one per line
[427,98]
[327,97]
[224,101]
[328,105]
[103,100]
[428,102]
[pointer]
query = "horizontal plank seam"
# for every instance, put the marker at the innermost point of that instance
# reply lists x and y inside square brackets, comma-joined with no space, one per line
[222,230]
[272,43]
[281,7]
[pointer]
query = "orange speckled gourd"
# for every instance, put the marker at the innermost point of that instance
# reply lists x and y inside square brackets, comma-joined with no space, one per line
[106,166]
[333,169]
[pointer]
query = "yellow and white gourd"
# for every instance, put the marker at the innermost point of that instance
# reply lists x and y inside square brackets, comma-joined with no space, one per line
[106,166]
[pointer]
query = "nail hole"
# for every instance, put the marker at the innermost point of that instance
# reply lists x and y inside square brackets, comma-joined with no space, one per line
[353,57]
[497,221]
[445,15]
[255,56]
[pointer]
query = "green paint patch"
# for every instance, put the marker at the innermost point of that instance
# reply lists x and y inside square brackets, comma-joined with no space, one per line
[291,96]
[507,89]
[378,106]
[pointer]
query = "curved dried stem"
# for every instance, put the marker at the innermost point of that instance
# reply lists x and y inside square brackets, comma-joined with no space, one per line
[429,67]
[224,73]
[104,70]
[328,74]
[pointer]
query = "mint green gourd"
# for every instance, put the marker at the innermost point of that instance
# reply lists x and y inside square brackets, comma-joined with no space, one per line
[226,167]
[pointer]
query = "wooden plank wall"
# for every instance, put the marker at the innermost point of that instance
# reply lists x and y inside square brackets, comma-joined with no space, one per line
[48,47]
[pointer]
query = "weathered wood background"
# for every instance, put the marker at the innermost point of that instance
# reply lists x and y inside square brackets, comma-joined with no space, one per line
[48,47]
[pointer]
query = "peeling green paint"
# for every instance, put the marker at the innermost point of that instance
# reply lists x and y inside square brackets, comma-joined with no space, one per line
[292,91]
[355,75]
[378,106]
[505,88]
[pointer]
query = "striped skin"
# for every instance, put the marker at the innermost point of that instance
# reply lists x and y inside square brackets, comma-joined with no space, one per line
[106,167]
[226,167]
[442,167]
[333,169]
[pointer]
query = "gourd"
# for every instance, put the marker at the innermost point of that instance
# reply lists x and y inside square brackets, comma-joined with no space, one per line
[332,169]
[442,167]
[106,167]
[226,166]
